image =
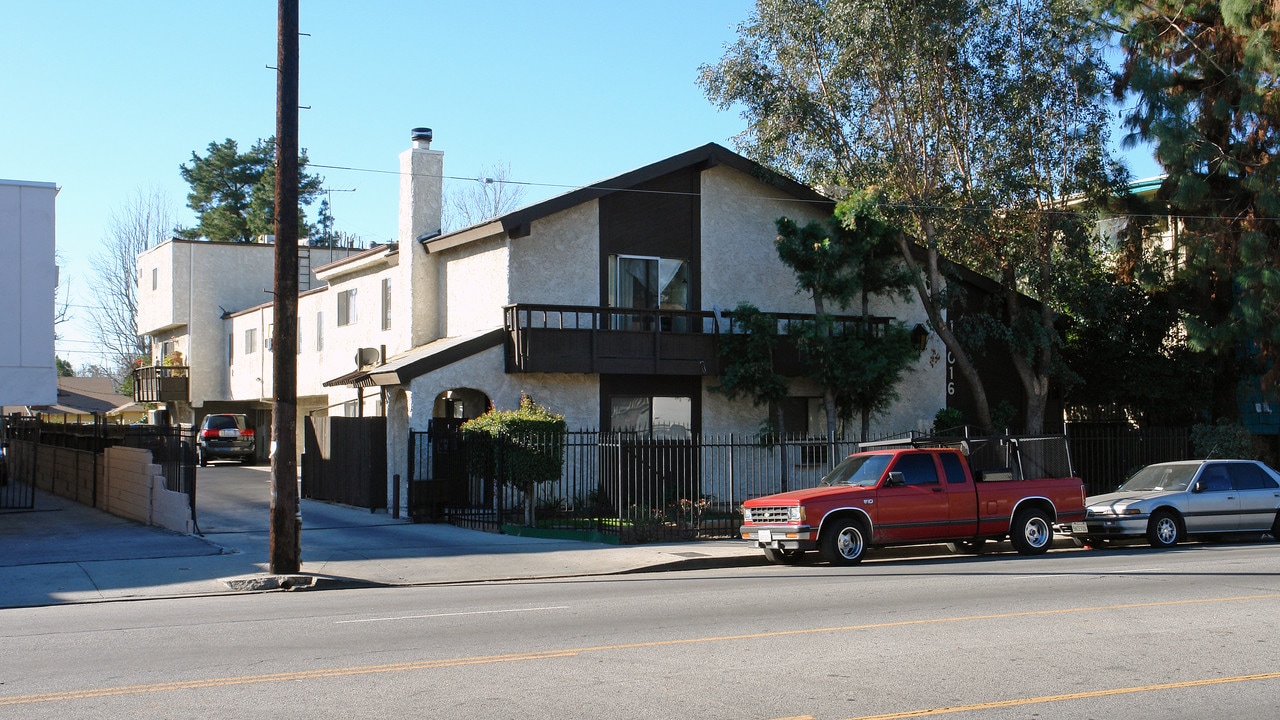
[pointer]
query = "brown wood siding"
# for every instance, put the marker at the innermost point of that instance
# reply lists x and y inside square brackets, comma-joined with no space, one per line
[659,218]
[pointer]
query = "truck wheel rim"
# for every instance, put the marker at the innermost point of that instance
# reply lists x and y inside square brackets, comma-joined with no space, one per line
[1036,532]
[850,543]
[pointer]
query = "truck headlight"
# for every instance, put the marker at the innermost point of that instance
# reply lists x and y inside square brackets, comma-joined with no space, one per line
[746,514]
[796,514]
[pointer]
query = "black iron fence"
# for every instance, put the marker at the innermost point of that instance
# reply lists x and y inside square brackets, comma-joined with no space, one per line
[172,447]
[1109,452]
[621,485]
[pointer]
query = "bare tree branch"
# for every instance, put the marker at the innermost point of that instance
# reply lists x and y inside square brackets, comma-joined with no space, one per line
[144,221]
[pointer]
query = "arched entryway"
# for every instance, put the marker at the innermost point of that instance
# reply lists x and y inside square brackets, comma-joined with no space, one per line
[460,404]
[452,408]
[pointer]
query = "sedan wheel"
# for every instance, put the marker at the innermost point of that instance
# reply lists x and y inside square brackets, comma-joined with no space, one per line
[1163,530]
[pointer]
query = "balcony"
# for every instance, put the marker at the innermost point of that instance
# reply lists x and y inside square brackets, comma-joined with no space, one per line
[161,384]
[626,341]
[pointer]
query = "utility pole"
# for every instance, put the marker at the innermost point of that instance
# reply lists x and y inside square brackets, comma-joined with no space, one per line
[286,525]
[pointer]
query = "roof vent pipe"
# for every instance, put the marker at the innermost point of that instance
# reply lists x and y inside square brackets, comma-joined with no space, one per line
[421,135]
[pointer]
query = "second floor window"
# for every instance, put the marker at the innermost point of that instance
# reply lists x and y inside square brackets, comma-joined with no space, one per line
[250,341]
[647,283]
[347,307]
[319,331]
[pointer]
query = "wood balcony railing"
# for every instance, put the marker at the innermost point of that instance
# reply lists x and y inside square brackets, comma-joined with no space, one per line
[610,340]
[161,384]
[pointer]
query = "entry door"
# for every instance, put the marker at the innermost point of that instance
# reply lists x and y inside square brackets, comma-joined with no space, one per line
[919,510]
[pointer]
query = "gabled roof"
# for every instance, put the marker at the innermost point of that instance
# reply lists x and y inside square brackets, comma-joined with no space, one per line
[84,396]
[516,223]
[402,368]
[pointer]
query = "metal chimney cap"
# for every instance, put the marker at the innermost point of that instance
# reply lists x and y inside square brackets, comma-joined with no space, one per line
[421,133]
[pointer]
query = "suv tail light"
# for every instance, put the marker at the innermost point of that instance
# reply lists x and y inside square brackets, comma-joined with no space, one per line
[247,432]
[209,433]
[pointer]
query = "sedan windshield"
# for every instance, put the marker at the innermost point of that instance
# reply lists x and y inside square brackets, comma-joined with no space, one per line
[1172,478]
[859,470]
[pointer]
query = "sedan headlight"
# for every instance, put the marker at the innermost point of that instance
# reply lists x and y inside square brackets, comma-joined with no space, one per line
[1132,511]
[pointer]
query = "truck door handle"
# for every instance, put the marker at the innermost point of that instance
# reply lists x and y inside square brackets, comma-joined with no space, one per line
[937,489]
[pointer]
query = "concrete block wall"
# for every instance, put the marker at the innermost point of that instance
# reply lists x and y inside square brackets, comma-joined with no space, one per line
[133,488]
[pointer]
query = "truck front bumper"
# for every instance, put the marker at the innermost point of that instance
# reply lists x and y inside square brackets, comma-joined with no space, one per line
[781,537]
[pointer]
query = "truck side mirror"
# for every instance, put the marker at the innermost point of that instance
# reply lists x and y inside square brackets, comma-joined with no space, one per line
[1198,487]
[895,478]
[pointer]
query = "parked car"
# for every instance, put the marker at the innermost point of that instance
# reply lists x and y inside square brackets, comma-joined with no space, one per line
[1167,502]
[225,435]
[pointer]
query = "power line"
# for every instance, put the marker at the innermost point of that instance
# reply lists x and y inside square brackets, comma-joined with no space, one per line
[970,209]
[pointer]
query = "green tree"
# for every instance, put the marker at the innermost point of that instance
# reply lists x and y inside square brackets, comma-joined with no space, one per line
[952,107]
[748,361]
[64,368]
[520,447]
[1204,77]
[838,261]
[233,192]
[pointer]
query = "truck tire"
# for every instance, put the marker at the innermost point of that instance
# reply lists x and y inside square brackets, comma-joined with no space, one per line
[1163,529]
[845,541]
[1032,532]
[783,557]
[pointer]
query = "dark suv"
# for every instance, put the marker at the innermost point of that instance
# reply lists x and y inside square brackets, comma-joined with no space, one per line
[225,436]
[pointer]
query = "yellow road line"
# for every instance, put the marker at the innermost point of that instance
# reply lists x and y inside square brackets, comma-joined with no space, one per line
[1070,696]
[571,652]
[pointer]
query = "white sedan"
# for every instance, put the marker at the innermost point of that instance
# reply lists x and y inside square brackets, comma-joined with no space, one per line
[1166,502]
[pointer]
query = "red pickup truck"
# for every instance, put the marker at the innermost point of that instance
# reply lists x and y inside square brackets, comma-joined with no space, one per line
[916,495]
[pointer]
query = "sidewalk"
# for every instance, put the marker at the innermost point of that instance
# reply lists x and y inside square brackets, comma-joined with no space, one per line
[65,553]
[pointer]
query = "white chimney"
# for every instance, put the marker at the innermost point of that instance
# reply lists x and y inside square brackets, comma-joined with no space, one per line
[421,188]
[421,206]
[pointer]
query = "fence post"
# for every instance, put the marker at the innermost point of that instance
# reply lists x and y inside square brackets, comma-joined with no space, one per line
[395,497]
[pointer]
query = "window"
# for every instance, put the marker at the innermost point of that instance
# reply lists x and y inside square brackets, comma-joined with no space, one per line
[250,341]
[269,340]
[386,303]
[648,283]
[155,278]
[917,469]
[347,307]
[666,418]
[319,331]
[350,408]
[953,469]
[231,348]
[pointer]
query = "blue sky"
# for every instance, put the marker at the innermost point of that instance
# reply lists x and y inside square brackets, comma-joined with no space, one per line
[108,99]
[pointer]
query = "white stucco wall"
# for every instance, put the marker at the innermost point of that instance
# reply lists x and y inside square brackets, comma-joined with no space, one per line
[739,262]
[559,261]
[474,286]
[28,279]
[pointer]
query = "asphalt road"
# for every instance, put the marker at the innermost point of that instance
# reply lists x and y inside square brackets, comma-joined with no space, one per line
[1187,633]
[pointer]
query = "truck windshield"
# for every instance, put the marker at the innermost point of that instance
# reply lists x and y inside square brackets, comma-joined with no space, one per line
[859,470]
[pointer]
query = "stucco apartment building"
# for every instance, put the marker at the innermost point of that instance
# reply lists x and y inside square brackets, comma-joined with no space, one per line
[188,291]
[602,304]
[28,280]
